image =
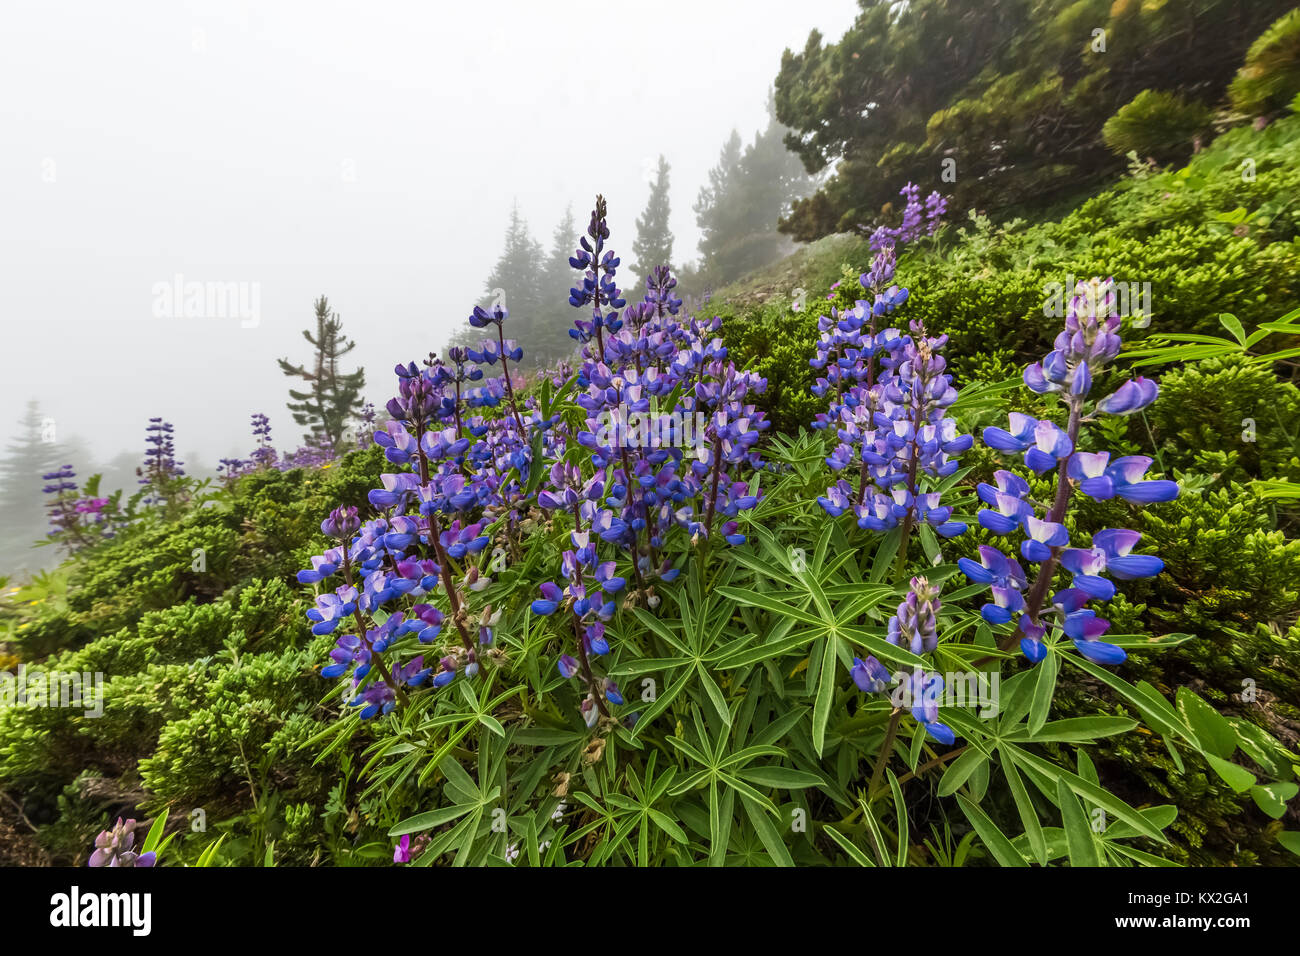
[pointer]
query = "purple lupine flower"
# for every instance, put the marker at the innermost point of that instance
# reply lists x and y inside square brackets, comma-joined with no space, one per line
[464,447]
[1132,396]
[116,847]
[888,398]
[264,455]
[1089,341]
[402,851]
[925,691]
[76,521]
[342,523]
[596,288]
[612,693]
[918,220]
[160,470]
[914,627]
[1100,478]
[1110,553]
[871,676]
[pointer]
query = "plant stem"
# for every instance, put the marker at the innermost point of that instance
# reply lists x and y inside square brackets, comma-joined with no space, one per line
[363,634]
[585,664]
[510,389]
[444,563]
[931,764]
[900,564]
[886,748]
[871,381]
[1034,602]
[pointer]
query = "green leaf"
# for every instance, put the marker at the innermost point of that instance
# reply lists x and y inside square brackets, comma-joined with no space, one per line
[1094,794]
[1212,729]
[959,770]
[1153,707]
[784,778]
[900,812]
[1159,817]
[827,682]
[721,815]
[1238,778]
[155,833]
[768,833]
[669,826]
[1233,324]
[1003,850]
[858,857]
[1080,845]
[460,785]
[1044,689]
[768,603]
[1146,859]
[1077,730]
[210,852]
[1272,797]
[714,693]
[428,820]
[1025,807]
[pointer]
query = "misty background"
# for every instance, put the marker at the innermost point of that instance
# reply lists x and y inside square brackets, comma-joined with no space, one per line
[369,152]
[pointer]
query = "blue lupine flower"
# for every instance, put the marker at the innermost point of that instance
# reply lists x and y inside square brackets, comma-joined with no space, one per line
[915,625]
[1110,553]
[1007,602]
[612,693]
[1083,627]
[889,398]
[1043,536]
[1018,439]
[1132,396]
[116,848]
[550,600]
[1089,341]
[994,567]
[1099,478]
[871,676]
[925,691]
[462,470]
[1050,445]
[1010,515]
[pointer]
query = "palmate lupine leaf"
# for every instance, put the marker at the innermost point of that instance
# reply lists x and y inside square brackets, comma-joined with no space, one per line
[750,650]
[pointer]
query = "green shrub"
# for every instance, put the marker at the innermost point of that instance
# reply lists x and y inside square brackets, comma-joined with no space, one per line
[777,343]
[1271,74]
[1229,417]
[247,729]
[1156,123]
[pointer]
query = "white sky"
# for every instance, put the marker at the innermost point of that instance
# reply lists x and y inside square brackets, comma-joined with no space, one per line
[367,151]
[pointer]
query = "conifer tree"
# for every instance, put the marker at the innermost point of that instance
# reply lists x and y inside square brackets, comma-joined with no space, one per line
[654,239]
[749,191]
[332,398]
[519,282]
[34,451]
[559,274]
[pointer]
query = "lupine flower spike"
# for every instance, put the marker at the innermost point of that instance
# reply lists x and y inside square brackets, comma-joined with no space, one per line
[1087,344]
